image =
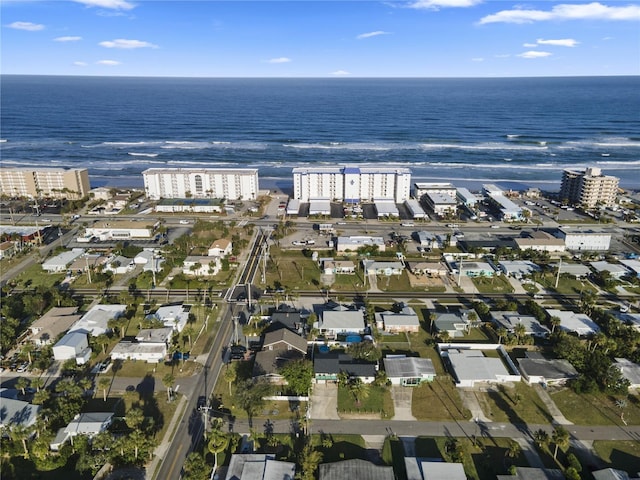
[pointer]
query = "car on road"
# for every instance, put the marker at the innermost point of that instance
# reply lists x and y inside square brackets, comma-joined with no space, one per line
[202,402]
[495,226]
[184,222]
[23,367]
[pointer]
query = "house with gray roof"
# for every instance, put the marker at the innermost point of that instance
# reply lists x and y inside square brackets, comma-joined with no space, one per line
[612,474]
[509,320]
[15,412]
[615,270]
[256,466]
[578,323]
[60,262]
[341,320]
[173,315]
[408,371]
[427,469]
[470,366]
[387,269]
[455,324]
[518,268]
[577,270]
[96,321]
[537,369]
[52,324]
[630,371]
[353,469]
[278,348]
[87,424]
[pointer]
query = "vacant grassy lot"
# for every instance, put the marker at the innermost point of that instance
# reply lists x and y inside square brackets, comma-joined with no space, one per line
[596,409]
[438,400]
[34,276]
[336,448]
[516,403]
[619,455]
[378,401]
[495,284]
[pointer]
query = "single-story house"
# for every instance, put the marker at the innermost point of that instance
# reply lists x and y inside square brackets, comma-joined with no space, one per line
[61,262]
[423,469]
[174,316]
[88,424]
[612,474]
[352,469]
[518,268]
[382,268]
[432,269]
[632,265]
[631,319]
[327,366]
[15,413]
[287,317]
[455,324]
[428,240]
[577,270]
[278,348]
[509,320]
[475,269]
[404,321]
[201,266]
[630,371]
[119,265]
[7,249]
[530,473]
[338,267]
[220,248]
[145,256]
[408,371]
[258,466]
[341,320]
[88,261]
[353,243]
[96,320]
[146,352]
[537,369]
[472,366]
[539,241]
[155,335]
[616,271]
[73,345]
[579,323]
[53,323]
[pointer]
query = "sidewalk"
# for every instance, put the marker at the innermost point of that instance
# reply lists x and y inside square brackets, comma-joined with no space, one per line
[555,412]
[161,449]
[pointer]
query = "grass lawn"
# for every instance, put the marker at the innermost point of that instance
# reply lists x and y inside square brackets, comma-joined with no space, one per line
[290,268]
[340,447]
[495,284]
[34,276]
[348,282]
[379,401]
[595,409]
[397,283]
[620,455]
[517,404]
[566,284]
[438,400]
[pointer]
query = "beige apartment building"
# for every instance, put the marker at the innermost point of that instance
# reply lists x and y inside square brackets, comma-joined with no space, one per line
[44,182]
[588,187]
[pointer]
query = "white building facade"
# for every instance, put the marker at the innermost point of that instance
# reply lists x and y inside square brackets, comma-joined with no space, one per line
[236,184]
[351,183]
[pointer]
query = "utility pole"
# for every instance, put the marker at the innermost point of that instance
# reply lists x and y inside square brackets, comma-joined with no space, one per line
[86,261]
[558,274]
[459,271]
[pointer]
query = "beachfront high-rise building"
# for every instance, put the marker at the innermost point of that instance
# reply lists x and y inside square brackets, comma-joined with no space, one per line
[351,183]
[236,184]
[588,187]
[44,182]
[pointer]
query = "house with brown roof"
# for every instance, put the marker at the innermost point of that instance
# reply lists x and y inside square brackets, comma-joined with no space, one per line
[220,248]
[49,326]
[278,348]
[7,249]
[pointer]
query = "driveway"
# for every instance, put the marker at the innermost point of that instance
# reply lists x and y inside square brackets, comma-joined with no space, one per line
[324,402]
[402,402]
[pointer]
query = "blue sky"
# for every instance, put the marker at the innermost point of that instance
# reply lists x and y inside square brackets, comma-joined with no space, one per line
[415,38]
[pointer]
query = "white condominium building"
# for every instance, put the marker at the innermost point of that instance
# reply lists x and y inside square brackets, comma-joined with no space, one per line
[351,183]
[44,182]
[236,184]
[588,187]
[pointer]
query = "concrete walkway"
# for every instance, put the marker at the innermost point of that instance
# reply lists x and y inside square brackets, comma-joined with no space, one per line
[517,286]
[555,412]
[402,397]
[324,402]
[470,401]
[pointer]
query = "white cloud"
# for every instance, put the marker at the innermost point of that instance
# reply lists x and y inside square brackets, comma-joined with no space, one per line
[371,34]
[112,4]
[502,55]
[31,27]
[279,60]
[126,44]
[80,64]
[529,45]
[108,63]
[340,73]
[533,54]
[437,4]
[561,42]
[477,59]
[589,11]
[67,39]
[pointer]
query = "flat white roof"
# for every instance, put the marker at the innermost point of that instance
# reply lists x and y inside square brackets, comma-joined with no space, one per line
[439,198]
[96,320]
[609,267]
[360,241]
[473,365]
[350,320]
[386,208]
[319,206]
[632,264]
[63,259]
[574,322]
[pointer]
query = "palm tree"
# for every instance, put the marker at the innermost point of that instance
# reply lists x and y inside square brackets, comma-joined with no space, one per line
[359,390]
[555,322]
[37,383]
[20,433]
[103,341]
[168,380]
[134,418]
[22,384]
[520,331]
[541,437]
[560,437]
[85,384]
[40,397]
[230,375]
[104,383]
[502,333]
[343,378]
[514,449]
[218,442]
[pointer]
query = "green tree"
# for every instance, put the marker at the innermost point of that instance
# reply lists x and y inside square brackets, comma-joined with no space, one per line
[541,437]
[298,374]
[309,460]
[230,375]
[168,381]
[134,418]
[359,390]
[364,351]
[22,384]
[20,433]
[520,332]
[218,441]
[250,396]
[103,341]
[104,383]
[195,467]
[514,449]
[560,438]
[37,383]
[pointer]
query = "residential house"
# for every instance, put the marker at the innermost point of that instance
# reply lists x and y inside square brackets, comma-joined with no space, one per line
[52,324]
[61,262]
[423,469]
[431,269]
[387,269]
[613,474]
[174,315]
[220,248]
[352,469]
[146,352]
[632,265]
[539,241]
[509,321]
[428,240]
[616,271]
[155,335]
[471,366]
[287,317]
[87,424]
[631,319]
[578,323]
[405,320]
[278,348]
[530,473]
[7,249]
[96,320]
[408,371]
[338,267]
[455,324]
[576,270]
[258,466]
[74,345]
[537,369]
[145,256]
[341,320]
[474,269]
[16,413]
[119,265]
[630,371]
[327,366]
[86,262]
[518,268]
[201,266]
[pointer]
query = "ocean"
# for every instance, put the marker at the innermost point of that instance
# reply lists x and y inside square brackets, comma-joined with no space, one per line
[514,132]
